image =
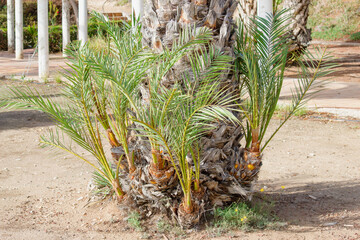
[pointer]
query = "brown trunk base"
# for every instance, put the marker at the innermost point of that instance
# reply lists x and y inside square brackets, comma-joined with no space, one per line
[186,219]
[199,195]
[247,169]
[164,178]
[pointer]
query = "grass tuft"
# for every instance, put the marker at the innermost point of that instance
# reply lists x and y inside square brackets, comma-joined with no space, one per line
[242,216]
[134,221]
[282,110]
[58,79]
[333,19]
[355,36]
[163,227]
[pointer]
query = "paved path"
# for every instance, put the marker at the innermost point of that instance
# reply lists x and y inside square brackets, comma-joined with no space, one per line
[27,68]
[340,98]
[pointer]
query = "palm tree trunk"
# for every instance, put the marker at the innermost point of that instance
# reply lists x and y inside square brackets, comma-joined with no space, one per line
[300,35]
[162,22]
[164,19]
[246,10]
[299,10]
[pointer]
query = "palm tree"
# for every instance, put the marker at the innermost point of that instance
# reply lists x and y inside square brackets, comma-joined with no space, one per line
[175,138]
[261,58]
[300,34]
[247,9]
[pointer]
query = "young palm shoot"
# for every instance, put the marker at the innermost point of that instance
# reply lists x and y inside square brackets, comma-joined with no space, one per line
[98,90]
[74,118]
[198,103]
[261,59]
[158,100]
[117,72]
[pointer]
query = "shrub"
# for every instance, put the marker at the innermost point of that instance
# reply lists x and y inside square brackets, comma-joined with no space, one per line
[55,35]
[3,23]
[3,40]
[355,36]
[30,13]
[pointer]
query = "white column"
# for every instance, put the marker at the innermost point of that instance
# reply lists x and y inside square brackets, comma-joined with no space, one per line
[43,38]
[11,25]
[137,8]
[19,35]
[65,24]
[264,7]
[83,22]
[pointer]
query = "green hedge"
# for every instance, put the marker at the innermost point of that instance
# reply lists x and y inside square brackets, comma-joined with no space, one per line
[55,36]
[3,40]
[3,20]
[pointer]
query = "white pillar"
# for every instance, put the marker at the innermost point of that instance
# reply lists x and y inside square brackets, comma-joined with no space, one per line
[264,8]
[65,24]
[43,38]
[137,8]
[83,22]
[11,25]
[19,35]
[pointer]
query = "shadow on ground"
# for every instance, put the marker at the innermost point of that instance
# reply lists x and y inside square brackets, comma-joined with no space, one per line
[348,91]
[23,119]
[319,203]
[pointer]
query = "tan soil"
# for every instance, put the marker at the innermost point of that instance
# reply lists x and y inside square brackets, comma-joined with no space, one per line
[43,193]
[348,59]
[110,6]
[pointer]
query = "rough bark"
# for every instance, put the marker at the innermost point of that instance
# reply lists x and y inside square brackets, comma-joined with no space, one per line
[164,19]
[246,10]
[300,35]
[299,10]
[162,22]
[74,6]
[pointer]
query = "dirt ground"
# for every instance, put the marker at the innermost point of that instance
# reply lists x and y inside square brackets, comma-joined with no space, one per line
[43,193]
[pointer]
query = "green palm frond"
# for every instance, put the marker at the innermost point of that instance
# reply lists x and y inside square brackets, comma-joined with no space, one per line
[177,117]
[261,59]
[98,90]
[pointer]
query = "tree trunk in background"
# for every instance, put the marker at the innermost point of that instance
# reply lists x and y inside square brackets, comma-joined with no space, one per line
[246,10]
[300,35]
[11,25]
[74,6]
[164,19]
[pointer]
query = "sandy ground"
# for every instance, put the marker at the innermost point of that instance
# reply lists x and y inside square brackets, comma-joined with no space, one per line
[110,6]
[43,193]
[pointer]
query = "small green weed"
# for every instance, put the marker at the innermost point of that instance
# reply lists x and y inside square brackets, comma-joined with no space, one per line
[46,80]
[333,19]
[58,79]
[241,216]
[163,226]
[134,221]
[122,2]
[282,110]
[302,112]
[355,36]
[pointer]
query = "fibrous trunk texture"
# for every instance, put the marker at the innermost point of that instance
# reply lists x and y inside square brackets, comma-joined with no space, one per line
[300,35]
[222,181]
[153,189]
[164,19]
[299,11]
[246,10]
